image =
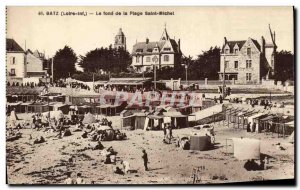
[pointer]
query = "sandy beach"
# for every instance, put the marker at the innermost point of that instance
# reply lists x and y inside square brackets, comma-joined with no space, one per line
[47,163]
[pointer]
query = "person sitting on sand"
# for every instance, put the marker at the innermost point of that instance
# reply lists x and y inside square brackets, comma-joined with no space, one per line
[107,160]
[118,171]
[40,140]
[111,151]
[79,179]
[99,146]
[69,180]
[84,135]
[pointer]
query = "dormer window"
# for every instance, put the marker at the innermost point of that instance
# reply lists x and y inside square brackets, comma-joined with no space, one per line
[248,51]
[236,51]
[149,50]
[226,51]
[167,49]
[139,50]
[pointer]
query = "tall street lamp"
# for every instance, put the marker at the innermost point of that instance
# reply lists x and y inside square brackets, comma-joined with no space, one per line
[186,73]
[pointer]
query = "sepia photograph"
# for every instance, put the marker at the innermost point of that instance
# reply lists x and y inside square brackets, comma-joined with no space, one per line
[143,95]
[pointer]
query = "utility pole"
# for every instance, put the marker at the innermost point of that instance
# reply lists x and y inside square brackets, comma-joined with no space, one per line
[47,88]
[93,81]
[52,71]
[223,90]
[154,76]
[186,77]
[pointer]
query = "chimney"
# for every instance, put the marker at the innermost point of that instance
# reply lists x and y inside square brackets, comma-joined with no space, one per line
[225,40]
[179,44]
[262,44]
[147,40]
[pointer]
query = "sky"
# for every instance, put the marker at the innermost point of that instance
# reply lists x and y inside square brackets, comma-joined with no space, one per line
[198,28]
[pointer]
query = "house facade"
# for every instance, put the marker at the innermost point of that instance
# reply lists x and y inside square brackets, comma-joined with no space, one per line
[248,61]
[21,66]
[15,62]
[162,53]
[34,64]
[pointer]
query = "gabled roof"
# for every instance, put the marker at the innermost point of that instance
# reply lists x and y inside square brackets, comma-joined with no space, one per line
[256,44]
[147,46]
[38,54]
[175,46]
[240,44]
[13,46]
[231,45]
[144,48]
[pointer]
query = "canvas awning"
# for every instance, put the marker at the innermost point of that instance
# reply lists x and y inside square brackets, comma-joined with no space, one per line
[251,118]
[269,117]
[107,106]
[139,114]
[155,116]
[173,114]
[13,103]
[26,103]
[104,106]
[291,123]
[84,106]
[58,105]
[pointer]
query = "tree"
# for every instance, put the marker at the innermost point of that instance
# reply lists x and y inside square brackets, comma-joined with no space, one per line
[284,66]
[106,59]
[64,63]
[207,65]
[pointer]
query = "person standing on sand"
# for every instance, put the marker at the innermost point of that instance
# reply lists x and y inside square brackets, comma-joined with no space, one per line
[79,179]
[165,130]
[69,180]
[145,159]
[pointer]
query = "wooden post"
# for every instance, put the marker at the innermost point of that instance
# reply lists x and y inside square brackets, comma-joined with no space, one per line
[229,116]
[283,130]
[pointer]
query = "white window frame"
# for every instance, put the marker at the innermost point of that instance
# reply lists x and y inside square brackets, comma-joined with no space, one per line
[166,58]
[226,64]
[148,59]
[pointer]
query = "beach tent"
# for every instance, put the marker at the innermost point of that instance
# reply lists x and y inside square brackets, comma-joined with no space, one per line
[246,148]
[291,137]
[88,119]
[13,116]
[252,117]
[200,142]
[53,114]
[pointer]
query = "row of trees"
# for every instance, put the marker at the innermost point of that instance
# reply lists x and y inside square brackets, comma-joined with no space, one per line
[103,63]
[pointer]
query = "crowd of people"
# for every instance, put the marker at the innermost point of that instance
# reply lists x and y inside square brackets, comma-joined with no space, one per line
[122,88]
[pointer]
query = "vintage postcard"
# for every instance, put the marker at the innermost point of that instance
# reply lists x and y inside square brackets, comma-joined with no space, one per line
[150,95]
